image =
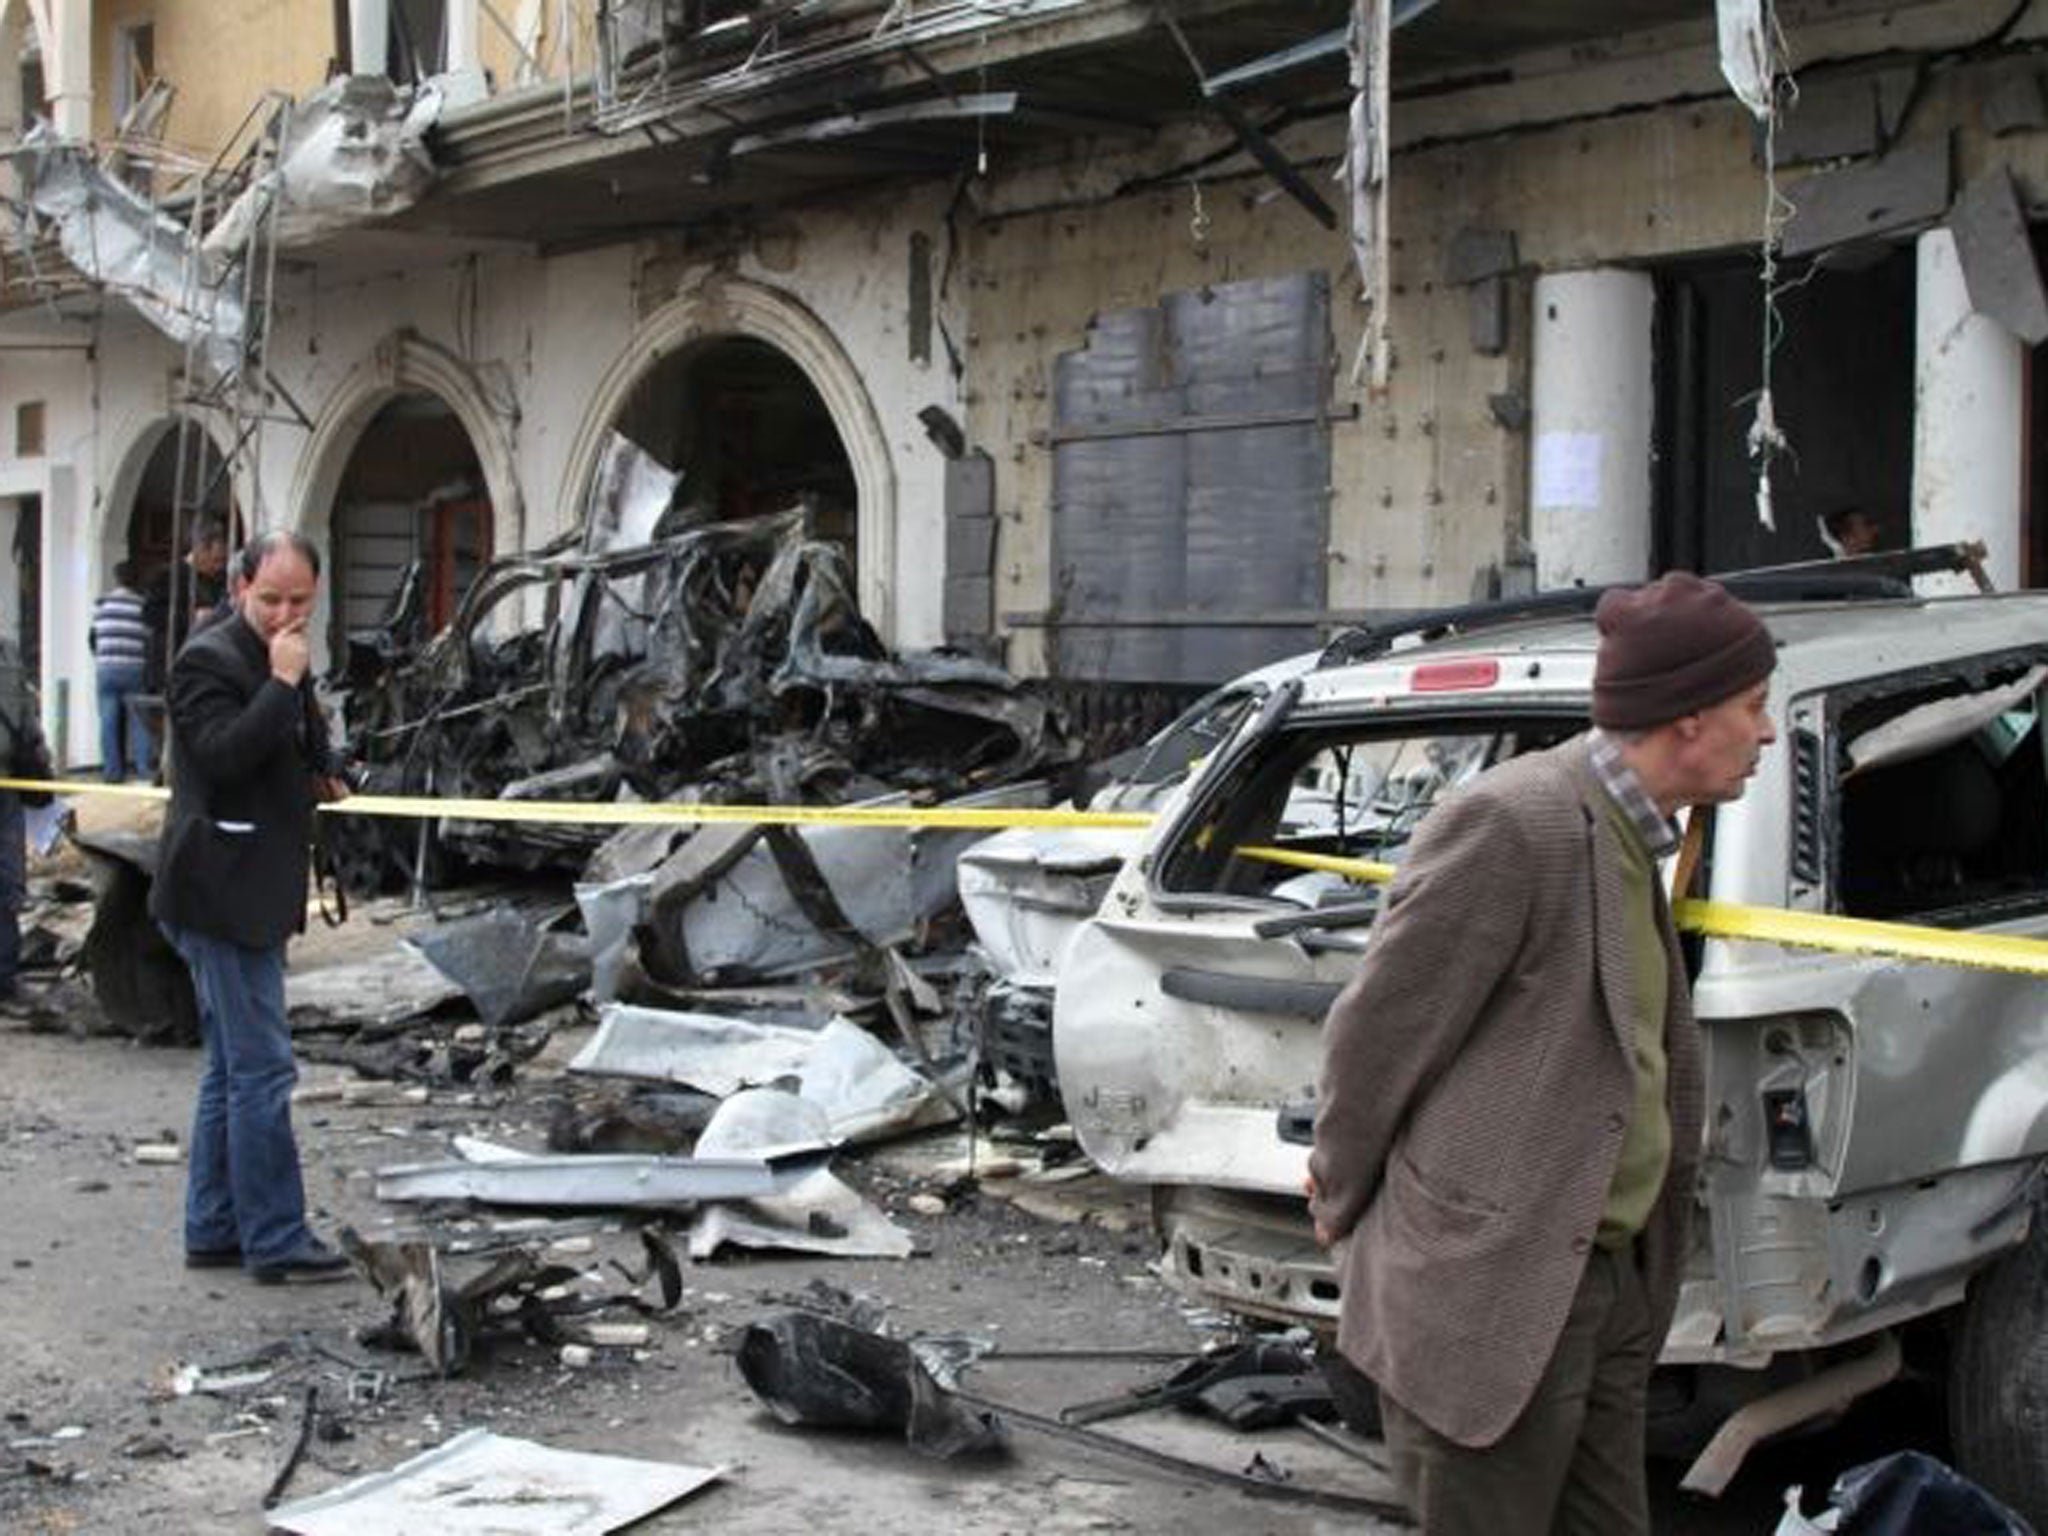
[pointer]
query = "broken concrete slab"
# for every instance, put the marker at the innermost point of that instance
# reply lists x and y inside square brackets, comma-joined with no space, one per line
[1997,255]
[481,1484]
[1908,190]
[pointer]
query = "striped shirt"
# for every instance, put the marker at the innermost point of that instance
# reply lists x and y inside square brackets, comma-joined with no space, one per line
[119,637]
[1659,835]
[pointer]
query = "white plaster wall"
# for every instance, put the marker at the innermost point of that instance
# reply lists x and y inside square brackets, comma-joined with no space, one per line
[541,333]
[1427,486]
[61,476]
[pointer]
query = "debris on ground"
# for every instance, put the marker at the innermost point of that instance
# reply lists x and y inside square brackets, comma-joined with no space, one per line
[520,1281]
[479,1483]
[598,1181]
[1904,1492]
[682,661]
[822,1372]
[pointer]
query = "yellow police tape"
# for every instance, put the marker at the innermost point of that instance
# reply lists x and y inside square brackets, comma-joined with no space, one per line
[1711,919]
[1773,925]
[986,818]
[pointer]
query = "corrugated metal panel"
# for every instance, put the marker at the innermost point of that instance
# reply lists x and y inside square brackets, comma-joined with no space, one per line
[1191,476]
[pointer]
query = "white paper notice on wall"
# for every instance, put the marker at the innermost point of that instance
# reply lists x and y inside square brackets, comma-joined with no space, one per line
[1568,469]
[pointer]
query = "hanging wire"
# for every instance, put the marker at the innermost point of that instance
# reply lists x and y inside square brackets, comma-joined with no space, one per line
[1767,440]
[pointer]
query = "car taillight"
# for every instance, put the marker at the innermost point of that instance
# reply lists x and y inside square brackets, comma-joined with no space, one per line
[1454,676]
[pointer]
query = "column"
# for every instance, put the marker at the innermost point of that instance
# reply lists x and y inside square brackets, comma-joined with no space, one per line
[369,36]
[1969,424]
[462,74]
[1592,410]
[67,65]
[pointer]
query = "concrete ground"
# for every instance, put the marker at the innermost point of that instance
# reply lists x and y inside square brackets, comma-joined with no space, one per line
[97,1315]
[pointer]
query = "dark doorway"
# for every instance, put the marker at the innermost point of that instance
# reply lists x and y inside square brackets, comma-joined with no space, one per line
[153,541]
[413,491]
[2034,531]
[750,433]
[28,594]
[1842,385]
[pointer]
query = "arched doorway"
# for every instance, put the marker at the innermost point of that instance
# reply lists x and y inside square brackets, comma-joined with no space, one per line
[687,336]
[411,503]
[160,520]
[749,433]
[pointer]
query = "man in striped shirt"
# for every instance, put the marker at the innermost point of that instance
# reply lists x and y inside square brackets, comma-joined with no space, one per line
[119,638]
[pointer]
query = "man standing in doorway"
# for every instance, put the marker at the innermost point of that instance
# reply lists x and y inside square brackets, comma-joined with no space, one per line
[119,641]
[1509,1121]
[186,596]
[249,758]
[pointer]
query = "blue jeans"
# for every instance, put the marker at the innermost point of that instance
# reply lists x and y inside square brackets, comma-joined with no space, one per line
[244,1188]
[13,886]
[122,725]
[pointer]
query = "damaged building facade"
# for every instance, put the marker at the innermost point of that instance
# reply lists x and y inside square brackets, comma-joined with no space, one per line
[1090,331]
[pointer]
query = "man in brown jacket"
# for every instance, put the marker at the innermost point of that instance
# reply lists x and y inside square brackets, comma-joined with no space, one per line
[1509,1122]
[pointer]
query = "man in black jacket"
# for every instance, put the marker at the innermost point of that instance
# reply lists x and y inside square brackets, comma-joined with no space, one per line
[23,755]
[249,758]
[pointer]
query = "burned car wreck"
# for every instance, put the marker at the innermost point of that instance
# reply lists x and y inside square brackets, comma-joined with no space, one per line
[716,663]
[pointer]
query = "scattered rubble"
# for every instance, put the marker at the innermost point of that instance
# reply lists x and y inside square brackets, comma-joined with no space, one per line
[520,1281]
[683,661]
[823,1372]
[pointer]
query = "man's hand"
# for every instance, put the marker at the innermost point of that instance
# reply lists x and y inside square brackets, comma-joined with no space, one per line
[1324,1236]
[330,787]
[290,655]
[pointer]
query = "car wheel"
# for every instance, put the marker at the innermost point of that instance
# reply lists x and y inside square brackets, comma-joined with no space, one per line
[1998,1377]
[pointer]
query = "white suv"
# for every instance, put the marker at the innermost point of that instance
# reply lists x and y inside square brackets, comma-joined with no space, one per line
[1877,1130]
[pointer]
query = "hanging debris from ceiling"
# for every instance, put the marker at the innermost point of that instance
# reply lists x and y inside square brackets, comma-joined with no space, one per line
[1365,174]
[1753,61]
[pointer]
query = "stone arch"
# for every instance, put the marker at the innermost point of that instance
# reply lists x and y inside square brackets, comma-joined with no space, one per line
[727,306]
[406,363]
[117,497]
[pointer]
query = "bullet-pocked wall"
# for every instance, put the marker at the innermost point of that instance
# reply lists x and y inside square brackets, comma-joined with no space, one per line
[1634,158]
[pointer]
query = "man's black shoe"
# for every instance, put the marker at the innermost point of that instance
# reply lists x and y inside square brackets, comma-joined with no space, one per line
[213,1258]
[311,1261]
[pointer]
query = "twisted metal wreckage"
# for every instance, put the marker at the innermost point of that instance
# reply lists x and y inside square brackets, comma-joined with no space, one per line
[657,657]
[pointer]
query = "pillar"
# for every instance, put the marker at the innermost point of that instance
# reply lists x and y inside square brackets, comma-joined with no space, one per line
[1592,411]
[1969,421]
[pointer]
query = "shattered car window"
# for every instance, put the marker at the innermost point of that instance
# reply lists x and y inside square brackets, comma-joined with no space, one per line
[1356,792]
[1943,801]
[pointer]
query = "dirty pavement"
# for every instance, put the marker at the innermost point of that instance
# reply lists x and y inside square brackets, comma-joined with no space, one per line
[557,1300]
[688,1171]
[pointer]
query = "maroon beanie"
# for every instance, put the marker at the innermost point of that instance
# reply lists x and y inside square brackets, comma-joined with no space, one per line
[1673,647]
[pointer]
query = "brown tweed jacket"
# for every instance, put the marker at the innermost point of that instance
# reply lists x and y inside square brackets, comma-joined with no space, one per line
[1477,1080]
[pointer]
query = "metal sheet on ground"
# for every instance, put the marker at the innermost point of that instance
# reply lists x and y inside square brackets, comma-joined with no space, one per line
[490,1485]
[603,1180]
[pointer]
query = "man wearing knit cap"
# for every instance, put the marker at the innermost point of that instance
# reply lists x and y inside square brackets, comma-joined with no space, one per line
[1509,1120]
